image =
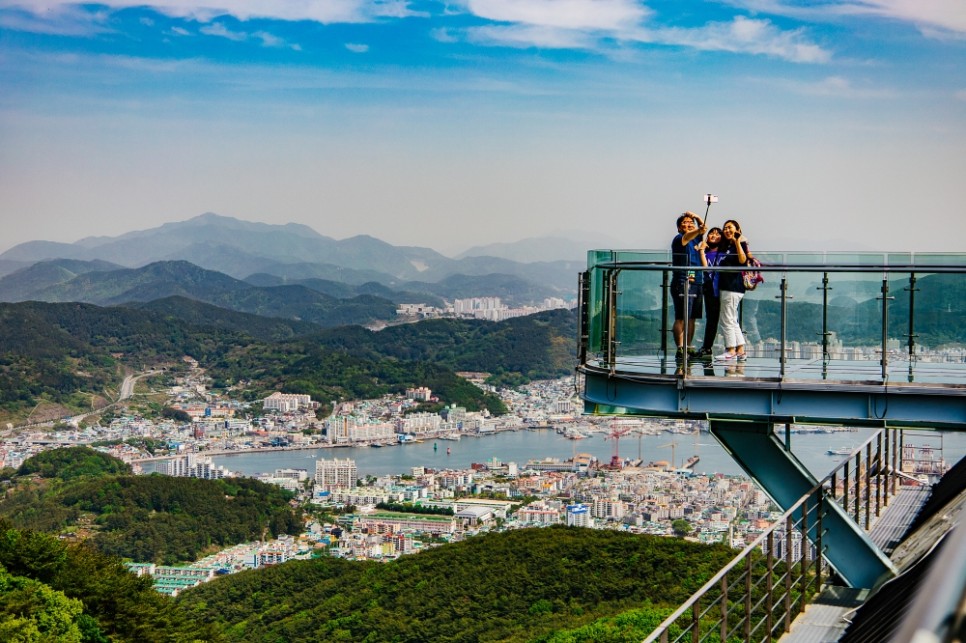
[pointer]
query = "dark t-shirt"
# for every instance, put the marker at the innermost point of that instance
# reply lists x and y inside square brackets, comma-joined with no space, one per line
[728,256]
[686,256]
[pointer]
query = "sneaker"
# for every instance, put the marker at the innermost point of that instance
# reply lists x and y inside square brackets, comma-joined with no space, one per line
[742,357]
[705,353]
[679,354]
[726,357]
[693,352]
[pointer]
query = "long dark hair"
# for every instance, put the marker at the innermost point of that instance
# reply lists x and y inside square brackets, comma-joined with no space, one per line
[726,244]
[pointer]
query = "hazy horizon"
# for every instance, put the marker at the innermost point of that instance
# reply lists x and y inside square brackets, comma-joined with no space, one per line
[821,126]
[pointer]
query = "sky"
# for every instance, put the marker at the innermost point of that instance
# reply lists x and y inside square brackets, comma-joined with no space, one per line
[829,125]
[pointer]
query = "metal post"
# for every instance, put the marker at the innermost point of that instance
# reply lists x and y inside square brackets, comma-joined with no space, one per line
[857,476]
[685,339]
[880,472]
[912,315]
[868,485]
[803,565]
[583,316]
[845,487]
[897,456]
[770,585]
[783,357]
[610,319]
[748,569]
[885,329]
[825,332]
[819,546]
[665,285]
[788,572]
[696,622]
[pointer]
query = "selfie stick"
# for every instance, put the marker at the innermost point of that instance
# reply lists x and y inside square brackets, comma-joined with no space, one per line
[709,199]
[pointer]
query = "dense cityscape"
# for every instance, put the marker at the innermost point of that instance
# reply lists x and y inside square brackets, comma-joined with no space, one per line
[384,517]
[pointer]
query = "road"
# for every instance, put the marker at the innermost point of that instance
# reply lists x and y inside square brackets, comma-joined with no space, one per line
[127,390]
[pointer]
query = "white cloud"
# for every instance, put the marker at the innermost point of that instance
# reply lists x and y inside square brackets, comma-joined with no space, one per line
[266,39]
[584,24]
[934,18]
[839,87]
[220,30]
[356,48]
[524,36]
[444,35]
[743,35]
[323,11]
[584,15]
[180,32]
[62,20]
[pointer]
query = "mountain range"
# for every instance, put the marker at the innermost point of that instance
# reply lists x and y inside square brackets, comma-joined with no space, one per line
[294,252]
[285,272]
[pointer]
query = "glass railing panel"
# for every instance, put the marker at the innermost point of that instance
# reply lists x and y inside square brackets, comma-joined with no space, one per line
[939,259]
[595,298]
[640,320]
[855,326]
[938,323]
[803,320]
[835,298]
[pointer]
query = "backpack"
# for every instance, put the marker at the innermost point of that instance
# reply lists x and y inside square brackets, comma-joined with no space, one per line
[751,278]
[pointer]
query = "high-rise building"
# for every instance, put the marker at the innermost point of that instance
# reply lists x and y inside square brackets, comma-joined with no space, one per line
[336,473]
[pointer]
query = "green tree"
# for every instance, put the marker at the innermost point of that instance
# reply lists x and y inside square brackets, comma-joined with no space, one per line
[32,611]
[681,527]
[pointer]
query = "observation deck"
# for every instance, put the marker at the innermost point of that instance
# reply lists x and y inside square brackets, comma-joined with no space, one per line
[858,340]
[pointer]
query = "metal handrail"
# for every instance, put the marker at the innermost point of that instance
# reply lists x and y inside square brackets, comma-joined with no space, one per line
[798,267]
[781,599]
[605,339]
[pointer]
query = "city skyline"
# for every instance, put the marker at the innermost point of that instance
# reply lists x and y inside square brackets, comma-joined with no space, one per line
[832,126]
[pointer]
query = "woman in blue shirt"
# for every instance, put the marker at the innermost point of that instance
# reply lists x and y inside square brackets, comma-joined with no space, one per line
[712,303]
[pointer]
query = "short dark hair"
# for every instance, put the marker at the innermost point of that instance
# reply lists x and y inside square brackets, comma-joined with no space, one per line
[686,215]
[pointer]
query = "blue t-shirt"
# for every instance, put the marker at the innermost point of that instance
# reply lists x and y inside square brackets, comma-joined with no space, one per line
[686,256]
[711,277]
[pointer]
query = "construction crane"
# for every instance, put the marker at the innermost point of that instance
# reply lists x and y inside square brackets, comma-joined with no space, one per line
[615,434]
[673,444]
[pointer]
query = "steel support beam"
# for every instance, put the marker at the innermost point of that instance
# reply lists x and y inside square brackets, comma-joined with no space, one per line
[764,458]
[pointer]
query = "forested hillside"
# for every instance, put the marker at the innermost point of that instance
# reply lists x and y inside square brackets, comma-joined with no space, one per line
[52,591]
[521,585]
[65,354]
[144,518]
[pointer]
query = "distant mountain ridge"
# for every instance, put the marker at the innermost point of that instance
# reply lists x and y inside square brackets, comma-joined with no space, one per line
[95,283]
[240,249]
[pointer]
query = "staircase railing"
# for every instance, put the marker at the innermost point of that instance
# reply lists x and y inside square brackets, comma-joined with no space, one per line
[759,593]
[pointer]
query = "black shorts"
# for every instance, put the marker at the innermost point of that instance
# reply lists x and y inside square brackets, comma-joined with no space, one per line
[695,302]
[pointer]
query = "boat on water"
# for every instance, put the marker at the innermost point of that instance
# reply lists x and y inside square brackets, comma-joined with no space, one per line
[840,451]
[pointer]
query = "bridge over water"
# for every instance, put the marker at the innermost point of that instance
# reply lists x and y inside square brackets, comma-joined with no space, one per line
[875,340]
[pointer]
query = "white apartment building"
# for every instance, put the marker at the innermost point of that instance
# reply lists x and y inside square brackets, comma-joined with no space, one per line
[421,393]
[286,402]
[417,424]
[348,429]
[193,466]
[336,473]
[538,515]
[579,516]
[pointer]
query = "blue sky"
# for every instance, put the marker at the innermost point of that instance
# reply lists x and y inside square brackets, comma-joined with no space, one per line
[820,125]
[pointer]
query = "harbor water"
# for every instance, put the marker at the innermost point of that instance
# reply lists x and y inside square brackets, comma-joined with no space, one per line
[520,446]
